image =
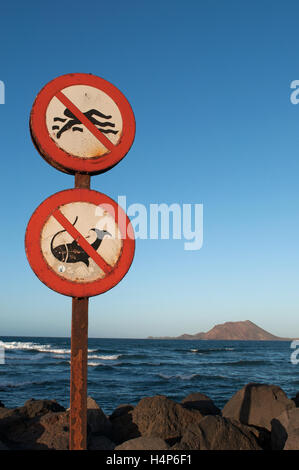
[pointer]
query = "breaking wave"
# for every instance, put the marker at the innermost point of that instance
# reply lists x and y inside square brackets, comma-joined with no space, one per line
[30,346]
[189,376]
[113,357]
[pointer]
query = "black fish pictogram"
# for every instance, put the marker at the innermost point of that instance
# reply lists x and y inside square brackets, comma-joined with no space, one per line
[72,252]
[74,121]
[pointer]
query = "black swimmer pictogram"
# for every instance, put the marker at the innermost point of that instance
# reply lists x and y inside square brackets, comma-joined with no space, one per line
[72,252]
[73,122]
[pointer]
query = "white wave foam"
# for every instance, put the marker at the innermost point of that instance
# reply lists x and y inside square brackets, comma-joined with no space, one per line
[22,384]
[53,351]
[178,376]
[43,348]
[105,358]
[16,345]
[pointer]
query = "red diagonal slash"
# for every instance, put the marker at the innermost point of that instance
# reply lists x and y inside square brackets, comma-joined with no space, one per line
[84,120]
[81,241]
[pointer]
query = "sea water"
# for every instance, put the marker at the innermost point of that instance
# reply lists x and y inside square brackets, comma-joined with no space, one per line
[125,370]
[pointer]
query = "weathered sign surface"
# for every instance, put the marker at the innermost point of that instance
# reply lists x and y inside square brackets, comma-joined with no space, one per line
[82,123]
[79,242]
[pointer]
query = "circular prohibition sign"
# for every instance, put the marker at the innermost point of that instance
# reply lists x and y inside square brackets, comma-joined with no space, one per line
[82,123]
[80,242]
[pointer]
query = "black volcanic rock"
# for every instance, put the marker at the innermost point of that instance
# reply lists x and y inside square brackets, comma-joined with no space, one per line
[257,417]
[97,420]
[285,430]
[33,408]
[217,433]
[123,427]
[144,443]
[296,400]
[201,402]
[20,431]
[99,443]
[161,417]
[53,430]
[120,410]
[257,404]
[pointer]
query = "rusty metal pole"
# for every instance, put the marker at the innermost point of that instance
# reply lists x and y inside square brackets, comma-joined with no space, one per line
[78,413]
[82,181]
[79,347]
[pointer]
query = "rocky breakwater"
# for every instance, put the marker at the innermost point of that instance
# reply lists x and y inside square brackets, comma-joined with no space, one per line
[257,417]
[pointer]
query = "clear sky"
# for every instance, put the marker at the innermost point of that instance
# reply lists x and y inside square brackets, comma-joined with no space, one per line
[209,83]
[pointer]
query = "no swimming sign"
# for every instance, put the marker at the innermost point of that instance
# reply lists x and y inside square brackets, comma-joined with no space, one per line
[82,123]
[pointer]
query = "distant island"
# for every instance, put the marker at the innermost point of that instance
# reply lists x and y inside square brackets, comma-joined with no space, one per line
[231,331]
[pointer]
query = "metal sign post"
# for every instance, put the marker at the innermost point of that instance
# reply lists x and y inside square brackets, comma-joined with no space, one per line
[79,354]
[79,347]
[79,242]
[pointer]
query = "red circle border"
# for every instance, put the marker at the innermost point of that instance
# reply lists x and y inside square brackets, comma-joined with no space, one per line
[58,157]
[45,273]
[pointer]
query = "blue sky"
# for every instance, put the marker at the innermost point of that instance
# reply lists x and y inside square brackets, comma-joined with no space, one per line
[209,83]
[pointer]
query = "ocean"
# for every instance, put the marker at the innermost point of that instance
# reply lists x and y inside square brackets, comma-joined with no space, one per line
[125,370]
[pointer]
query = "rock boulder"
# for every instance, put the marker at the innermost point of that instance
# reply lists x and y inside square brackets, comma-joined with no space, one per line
[123,427]
[296,400]
[97,421]
[200,402]
[20,431]
[33,408]
[285,430]
[257,404]
[144,443]
[217,433]
[121,410]
[161,417]
[54,434]
[100,443]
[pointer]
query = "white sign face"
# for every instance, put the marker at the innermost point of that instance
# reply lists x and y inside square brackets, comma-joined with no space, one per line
[65,255]
[71,135]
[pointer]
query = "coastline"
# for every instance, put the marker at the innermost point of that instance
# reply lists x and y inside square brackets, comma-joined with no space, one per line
[257,417]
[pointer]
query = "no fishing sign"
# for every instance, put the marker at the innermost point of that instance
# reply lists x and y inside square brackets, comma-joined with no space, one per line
[80,242]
